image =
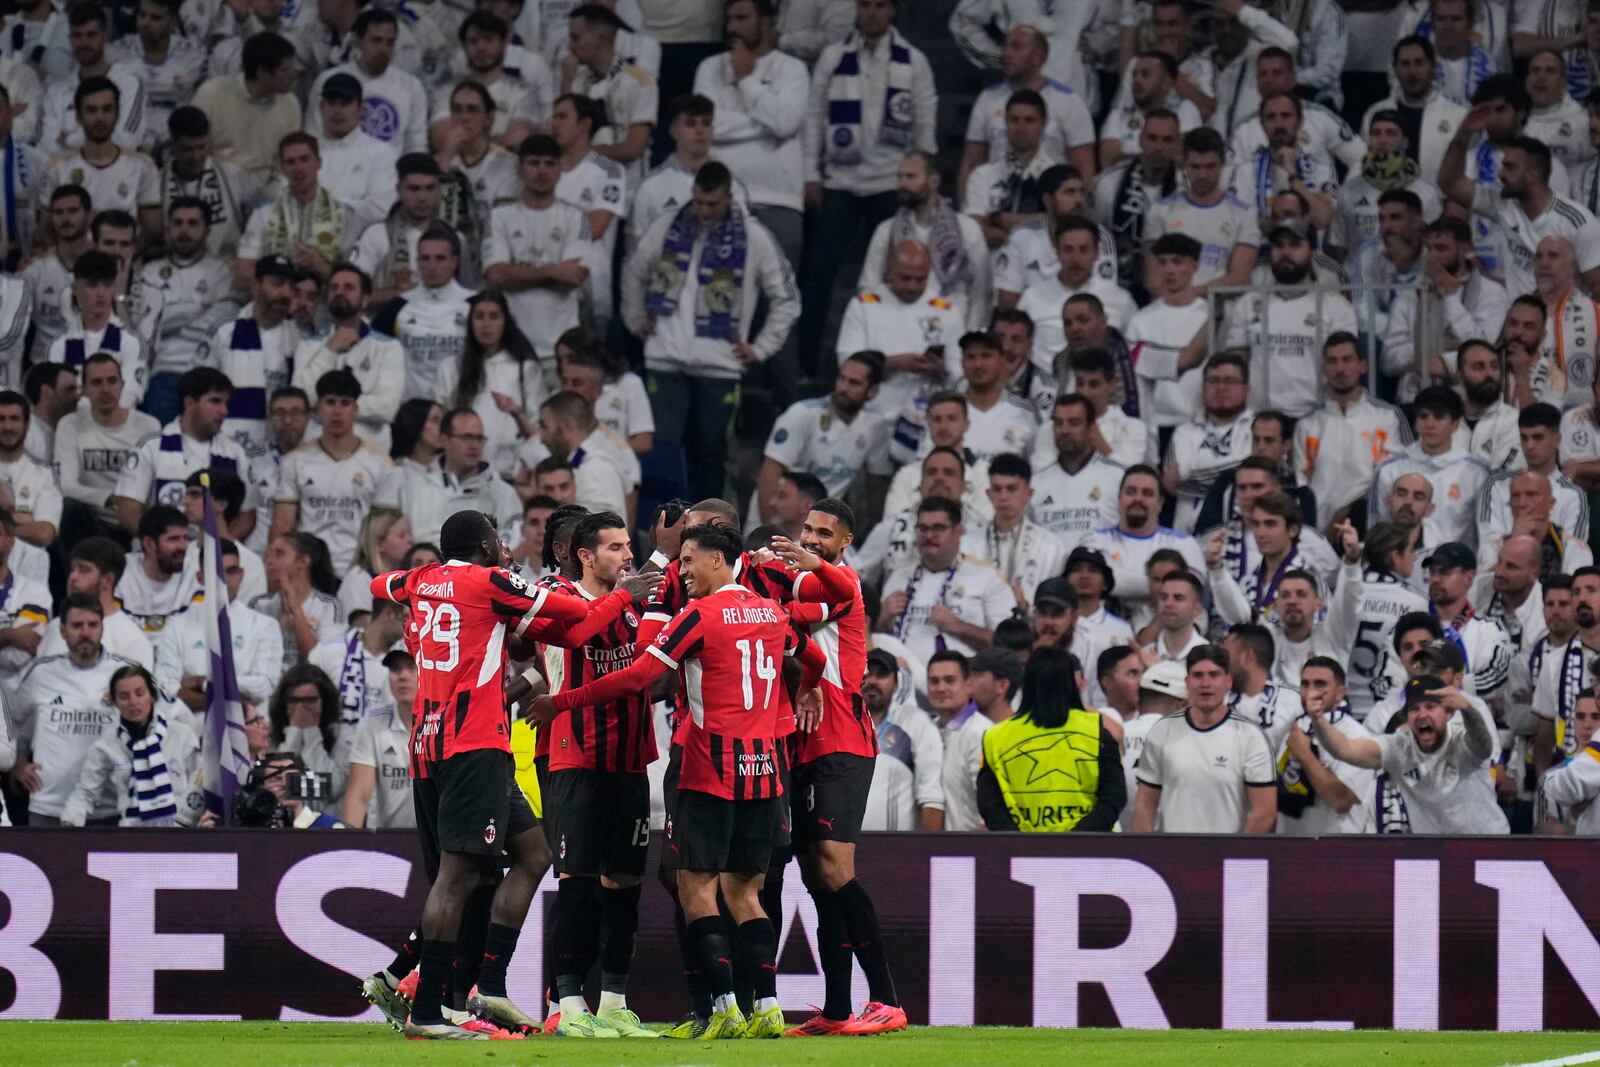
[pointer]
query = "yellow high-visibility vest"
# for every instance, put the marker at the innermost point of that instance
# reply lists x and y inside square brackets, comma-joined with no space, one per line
[1049,777]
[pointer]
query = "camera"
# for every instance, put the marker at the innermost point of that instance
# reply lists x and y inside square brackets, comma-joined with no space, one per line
[256,804]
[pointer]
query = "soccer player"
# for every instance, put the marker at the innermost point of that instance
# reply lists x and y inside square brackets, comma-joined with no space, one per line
[774,582]
[833,773]
[729,810]
[597,808]
[461,762]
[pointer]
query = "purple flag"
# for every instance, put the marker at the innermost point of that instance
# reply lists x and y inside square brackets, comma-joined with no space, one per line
[226,750]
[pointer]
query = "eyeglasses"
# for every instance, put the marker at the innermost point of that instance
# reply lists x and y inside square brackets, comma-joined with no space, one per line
[255,720]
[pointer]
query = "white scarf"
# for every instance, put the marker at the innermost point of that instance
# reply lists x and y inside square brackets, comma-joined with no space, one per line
[150,799]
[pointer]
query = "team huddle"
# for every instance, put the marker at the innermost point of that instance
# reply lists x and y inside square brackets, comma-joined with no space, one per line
[769,650]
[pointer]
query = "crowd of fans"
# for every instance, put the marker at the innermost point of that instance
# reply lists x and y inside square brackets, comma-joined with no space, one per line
[1279,411]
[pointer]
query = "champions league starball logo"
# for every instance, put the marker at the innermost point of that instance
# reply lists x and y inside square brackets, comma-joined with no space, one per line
[380,119]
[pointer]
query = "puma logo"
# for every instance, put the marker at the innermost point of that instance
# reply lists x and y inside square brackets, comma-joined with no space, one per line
[826,822]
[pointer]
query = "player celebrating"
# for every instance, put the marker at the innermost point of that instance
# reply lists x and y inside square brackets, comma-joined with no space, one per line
[832,775]
[775,582]
[730,805]
[597,809]
[468,805]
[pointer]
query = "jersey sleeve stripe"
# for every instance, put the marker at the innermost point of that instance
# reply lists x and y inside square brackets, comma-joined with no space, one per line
[537,595]
[663,657]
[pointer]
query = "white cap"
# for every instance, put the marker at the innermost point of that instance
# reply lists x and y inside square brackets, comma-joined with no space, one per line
[1168,678]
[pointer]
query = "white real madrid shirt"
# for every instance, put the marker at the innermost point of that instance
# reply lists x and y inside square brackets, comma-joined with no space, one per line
[152,602]
[1044,303]
[1127,554]
[598,184]
[812,436]
[1124,123]
[1285,334]
[1521,235]
[33,487]
[540,237]
[1219,227]
[1025,555]
[974,590]
[61,711]
[1068,123]
[1028,258]
[128,182]
[334,495]
[1074,503]
[493,177]
[1457,478]
[1007,425]
[1156,334]
[382,742]
[879,320]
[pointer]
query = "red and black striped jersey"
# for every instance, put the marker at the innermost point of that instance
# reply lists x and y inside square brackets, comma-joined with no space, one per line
[772,580]
[541,736]
[840,630]
[458,617]
[612,737]
[727,647]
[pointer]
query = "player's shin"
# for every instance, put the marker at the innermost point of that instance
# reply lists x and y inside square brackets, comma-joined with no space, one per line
[833,948]
[470,941]
[694,974]
[619,934]
[712,945]
[434,975]
[861,920]
[577,942]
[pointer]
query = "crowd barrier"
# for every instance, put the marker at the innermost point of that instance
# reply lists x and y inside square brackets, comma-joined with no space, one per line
[1038,930]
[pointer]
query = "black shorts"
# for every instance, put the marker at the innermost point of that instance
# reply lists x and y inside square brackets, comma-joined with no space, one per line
[829,797]
[713,835]
[597,822]
[470,803]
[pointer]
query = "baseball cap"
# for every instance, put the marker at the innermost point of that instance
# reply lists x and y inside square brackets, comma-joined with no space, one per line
[1450,556]
[1094,558]
[1417,689]
[275,267]
[1167,678]
[1057,591]
[1296,227]
[341,87]
[880,658]
[1000,663]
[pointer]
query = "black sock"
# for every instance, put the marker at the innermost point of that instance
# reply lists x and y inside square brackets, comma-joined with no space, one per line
[498,949]
[435,973]
[833,947]
[772,889]
[694,975]
[861,920]
[578,934]
[470,939]
[710,937]
[744,979]
[406,958]
[757,944]
[619,934]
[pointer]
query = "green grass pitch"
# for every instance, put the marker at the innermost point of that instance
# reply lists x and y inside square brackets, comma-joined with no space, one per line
[351,1045]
